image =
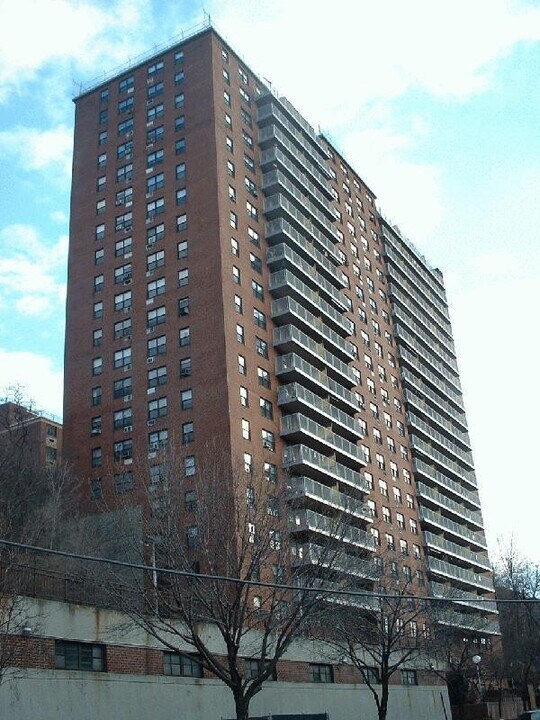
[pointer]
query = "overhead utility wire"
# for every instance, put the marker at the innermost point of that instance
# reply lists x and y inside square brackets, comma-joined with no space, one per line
[239,581]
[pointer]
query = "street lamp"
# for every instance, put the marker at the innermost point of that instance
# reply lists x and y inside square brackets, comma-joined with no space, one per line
[477,659]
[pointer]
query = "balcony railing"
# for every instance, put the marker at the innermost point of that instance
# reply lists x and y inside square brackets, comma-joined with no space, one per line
[458,529]
[298,424]
[433,348]
[481,560]
[284,282]
[426,429]
[286,308]
[442,459]
[429,471]
[304,487]
[449,504]
[462,597]
[295,395]
[326,258]
[287,336]
[453,432]
[446,390]
[469,621]
[308,520]
[278,205]
[303,458]
[453,571]
[293,367]
[312,554]
[281,254]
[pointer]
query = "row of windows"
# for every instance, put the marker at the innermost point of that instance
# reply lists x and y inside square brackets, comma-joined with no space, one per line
[155,347]
[90,657]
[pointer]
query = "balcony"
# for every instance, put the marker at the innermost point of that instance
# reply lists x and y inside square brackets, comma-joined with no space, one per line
[285,310]
[296,397]
[298,427]
[278,206]
[289,338]
[448,504]
[272,136]
[310,521]
[420,315]
[307,144]
[310,554]
[280,255]
[285,283]
[308,489]
[462,597]
[458,551]
[442,459]
[446,391]
[326,258]
[303,459]
[459,530]
[433,348]
[400,291]
[364,600]
[275,182]
[418,393]
[292,367]
[447,445]
[469,621]
[400,251]
[441,567]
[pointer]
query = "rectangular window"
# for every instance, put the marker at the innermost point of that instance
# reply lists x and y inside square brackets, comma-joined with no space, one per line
[157,346]
[185,367]
[261,346]
[70,655]
[181,665]
[157,377]
[181,222]
[321,673]
[185,337]
[409,677]
[123,482]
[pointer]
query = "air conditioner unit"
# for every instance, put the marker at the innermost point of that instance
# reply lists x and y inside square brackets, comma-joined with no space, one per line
[149,102]
[127,255]
[149,80]
[150,123]
[127,367]
[119,202]
[149,246]
[267,445]
[184,373]
[149,360]
[130,90]
[150,330]
[150,301]
[128,428]
[149,273]
[153,447]
[128,156]
[128,281]
[127,337]
[150,390]
[149,170]
[127,309]
[149,145]
[149,193]
[128,398]
[96,431]
[127,228]
[151,423]
[129,134]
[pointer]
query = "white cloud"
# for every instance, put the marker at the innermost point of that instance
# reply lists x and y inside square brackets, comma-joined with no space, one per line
[42,382]
[59,216]
[29,270]
[39,149]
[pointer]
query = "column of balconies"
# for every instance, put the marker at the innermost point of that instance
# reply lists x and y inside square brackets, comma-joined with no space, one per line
[451,527]
[429,472]
[449,429]
[322,455]
[443,501]
[468,621]
[456,551]
[281,257]
[459,574]
[463,597]
[444,393]
[420,427]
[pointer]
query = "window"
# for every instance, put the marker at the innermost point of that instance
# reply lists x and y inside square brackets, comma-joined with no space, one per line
[188,433]
[397,496]
[157,408]
[122,274]
[100,232]
[240,334]
[103,116]
[259,318]
[242,367]
[252,210]
[97,457]
[400,520]
[371,675]
[126,84]
[321,673]
[185,367]
[263,377]
[155,67]
[157,346]
[123,482]
[154,158]
[70,655]
[255,262]
[250,186]
[181,222]
[154,90]
[102,137]
[123,247]
[258,290]
[183,306]
[97,337]
[102,160]
[245,97]
[181,171]
[387,517]
[181,665]
[122,418]
[249,162]
[183,277]
[96,395]
[126,127]
[270,472]
[155,183]
[246,431]
[266,408]
[158,439]
[383,488]
[244,396]
[154,208]
[123,222]
[122,358]
[122,388]
[185,336]
[97,366]
[261,346]
[155,288]
[268,440]
[155,260]
[409,677]
[235,247]
[157,376]
[413,526]
[180,146]
[124,150]
[123,450]
[248,462]
[390,544]
[153,113]
[122,329]
[189,465]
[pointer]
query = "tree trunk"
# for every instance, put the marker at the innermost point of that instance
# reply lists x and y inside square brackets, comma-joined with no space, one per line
[383,704]
[241,705]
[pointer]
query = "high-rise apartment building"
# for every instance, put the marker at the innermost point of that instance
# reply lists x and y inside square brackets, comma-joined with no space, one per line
[231,281]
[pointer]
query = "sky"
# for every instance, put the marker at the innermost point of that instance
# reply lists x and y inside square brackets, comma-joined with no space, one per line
[435,104]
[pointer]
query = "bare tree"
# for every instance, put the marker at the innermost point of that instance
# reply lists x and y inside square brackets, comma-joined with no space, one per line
[517,578]
[382,640]
[224,521]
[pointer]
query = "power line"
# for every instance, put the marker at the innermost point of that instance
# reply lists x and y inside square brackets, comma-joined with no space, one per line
[240,581]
